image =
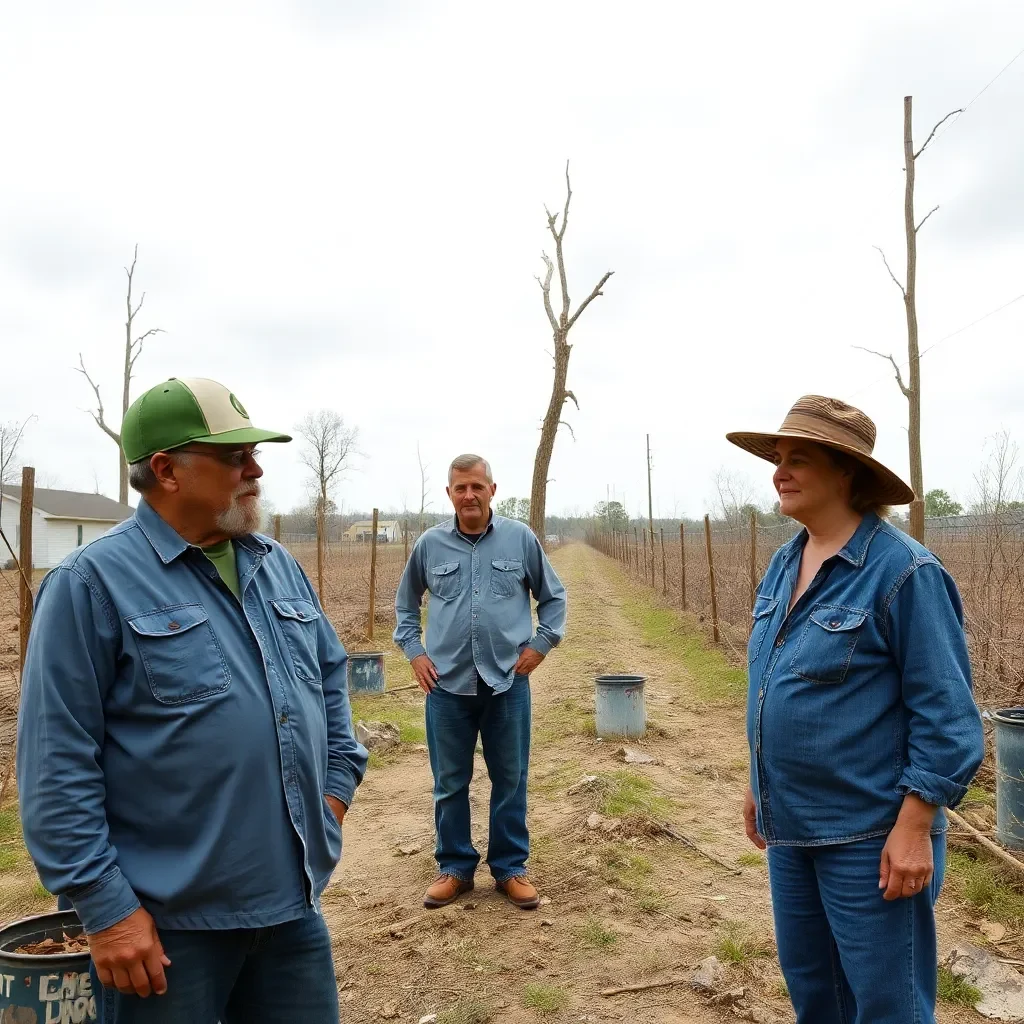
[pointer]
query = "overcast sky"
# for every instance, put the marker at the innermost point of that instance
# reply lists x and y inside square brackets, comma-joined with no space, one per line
[341,204]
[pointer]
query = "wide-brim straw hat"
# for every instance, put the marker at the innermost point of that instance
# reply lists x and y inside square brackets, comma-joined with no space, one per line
[832,423]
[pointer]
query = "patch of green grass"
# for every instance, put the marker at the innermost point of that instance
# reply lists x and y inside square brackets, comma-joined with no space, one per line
[593,933]
[739,944]
[10,824]
[632,794]
[40,892]
[651,901]
[752,859]
[981,885]
[466,1011]
[978,795]
[957,991]
[780,989]
[407,717]
[9,858]
[624,868]
[545,998]
[563,718]
[556,780]
[714,678]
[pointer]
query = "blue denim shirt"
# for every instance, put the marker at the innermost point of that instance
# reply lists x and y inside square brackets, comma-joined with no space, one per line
[479,617]
[175,745]
[861,694]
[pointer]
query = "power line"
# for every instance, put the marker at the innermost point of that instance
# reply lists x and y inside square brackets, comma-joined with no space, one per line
[904,365]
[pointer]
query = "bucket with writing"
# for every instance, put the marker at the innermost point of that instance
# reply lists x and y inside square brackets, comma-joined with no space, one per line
[45,987]
[366,672]
[619,704]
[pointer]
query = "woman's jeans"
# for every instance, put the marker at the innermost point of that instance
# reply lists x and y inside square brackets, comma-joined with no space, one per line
[502,721]
[848,956]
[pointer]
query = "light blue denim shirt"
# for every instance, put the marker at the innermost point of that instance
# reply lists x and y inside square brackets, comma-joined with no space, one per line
[175,746]
[861,694]
[479,620]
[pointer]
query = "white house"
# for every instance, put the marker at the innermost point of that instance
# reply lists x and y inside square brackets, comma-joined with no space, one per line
[61,522]
[389,531]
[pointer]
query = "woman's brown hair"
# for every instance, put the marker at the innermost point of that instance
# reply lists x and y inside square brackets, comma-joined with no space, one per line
[863,486]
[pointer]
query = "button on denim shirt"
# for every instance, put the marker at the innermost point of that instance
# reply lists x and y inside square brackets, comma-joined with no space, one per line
[479,620]
[175,746]
[861,694]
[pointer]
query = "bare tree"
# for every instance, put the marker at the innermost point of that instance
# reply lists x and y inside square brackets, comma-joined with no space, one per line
[912,387]
[11,435]
[735,495]
[424,482]
[560,327]
[329,446]
[132,350]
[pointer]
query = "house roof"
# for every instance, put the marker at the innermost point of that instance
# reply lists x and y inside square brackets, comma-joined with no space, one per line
[74,505]
[367,524]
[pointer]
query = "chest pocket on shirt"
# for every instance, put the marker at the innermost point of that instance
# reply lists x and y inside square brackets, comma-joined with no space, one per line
[759,626]
[506,577]
[183,659]
[827,644]
[445,581]
[296,620]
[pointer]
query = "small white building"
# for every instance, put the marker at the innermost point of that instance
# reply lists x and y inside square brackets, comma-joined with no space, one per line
[61,522]
[389,531]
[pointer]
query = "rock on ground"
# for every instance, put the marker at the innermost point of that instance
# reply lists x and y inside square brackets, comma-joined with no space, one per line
[378,736]
[1001,987]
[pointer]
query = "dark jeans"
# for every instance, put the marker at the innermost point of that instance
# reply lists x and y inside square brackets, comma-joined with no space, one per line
[502,720]
[848,956]
[283,974]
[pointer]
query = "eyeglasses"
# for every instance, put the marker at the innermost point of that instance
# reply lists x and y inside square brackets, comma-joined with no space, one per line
[236,458]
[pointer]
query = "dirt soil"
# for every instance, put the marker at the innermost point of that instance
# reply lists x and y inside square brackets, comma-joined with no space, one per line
[625,907]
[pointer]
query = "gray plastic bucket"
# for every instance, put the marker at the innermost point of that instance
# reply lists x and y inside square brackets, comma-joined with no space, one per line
[44,988]
[619,701]
[366,672]
[1009,725]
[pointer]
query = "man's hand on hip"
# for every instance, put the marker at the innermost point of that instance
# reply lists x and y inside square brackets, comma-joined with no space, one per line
[130,957]
[337,806]
[424,671]
[528,661]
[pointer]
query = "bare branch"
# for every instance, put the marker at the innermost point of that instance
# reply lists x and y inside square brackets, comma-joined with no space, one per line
[895,366]
[568,427]
[98,416]
[571,396]
[895,280]
[133,312]
[136,348]
[931,134]
[545,287]
[924,218]
[568,196]
[590,298]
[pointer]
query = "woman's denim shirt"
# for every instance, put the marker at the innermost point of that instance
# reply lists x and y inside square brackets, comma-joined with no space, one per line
[861,694]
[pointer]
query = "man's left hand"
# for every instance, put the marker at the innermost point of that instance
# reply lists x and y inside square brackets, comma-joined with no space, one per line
[338,807]
[528,661]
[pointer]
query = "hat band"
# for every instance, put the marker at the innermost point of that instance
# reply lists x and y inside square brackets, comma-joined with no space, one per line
[798,423]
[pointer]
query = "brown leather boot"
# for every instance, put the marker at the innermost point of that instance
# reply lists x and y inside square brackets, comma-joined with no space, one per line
[520,891]
[447,889]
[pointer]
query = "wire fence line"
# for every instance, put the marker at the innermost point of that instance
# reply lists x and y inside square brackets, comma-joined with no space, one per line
[712,570]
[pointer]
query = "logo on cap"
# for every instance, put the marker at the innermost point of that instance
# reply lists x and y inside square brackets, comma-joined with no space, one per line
[238,407]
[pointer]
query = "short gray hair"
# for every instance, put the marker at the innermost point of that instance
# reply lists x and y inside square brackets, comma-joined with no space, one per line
[467,462]
[141,476]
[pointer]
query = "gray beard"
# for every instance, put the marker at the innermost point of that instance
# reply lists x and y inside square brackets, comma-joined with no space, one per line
[240,519]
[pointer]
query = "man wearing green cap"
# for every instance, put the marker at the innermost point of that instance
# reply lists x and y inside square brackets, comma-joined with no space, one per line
[185,744]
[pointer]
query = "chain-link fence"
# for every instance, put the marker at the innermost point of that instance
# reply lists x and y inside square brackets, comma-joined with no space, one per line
[984,554]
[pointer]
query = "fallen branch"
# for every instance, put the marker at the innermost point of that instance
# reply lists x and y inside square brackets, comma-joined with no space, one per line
[986,843]
[641,988]
[693,845]
[399,689]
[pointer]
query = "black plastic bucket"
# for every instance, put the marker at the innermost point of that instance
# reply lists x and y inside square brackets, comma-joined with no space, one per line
[41,989]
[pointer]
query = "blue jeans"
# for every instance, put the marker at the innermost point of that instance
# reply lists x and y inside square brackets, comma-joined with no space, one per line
[502,720]
[283,974]
[848,956]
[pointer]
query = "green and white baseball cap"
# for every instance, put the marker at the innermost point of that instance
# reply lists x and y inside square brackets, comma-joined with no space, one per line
[178,412]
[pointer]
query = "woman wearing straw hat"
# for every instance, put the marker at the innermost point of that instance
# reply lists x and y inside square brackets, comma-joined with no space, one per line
[861,724]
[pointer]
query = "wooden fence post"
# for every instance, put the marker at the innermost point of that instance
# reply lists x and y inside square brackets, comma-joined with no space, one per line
[320,527]
[636,548]
[682,563]
[753,557]
[643,573]
[277,528]
[711,579]
[664,566]
[28,495]
[405,537]
[373,577]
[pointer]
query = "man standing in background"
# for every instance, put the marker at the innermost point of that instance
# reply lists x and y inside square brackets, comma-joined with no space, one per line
[480,570]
